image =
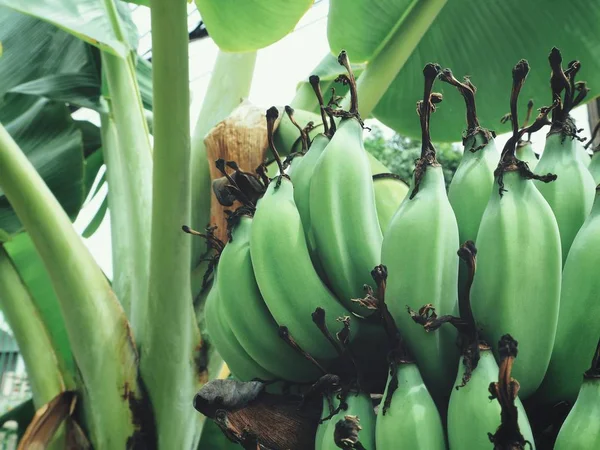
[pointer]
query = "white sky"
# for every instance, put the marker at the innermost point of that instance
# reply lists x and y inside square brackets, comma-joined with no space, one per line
[278,69]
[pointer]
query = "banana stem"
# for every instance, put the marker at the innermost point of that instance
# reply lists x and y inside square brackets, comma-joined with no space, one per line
[272,115]
[467,90]
[303,134]
[508,435]
[169,371]
[314,82]
[35,345]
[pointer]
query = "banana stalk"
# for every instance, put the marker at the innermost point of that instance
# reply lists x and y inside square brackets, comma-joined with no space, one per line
[421,260]
[577,328]
[517,287]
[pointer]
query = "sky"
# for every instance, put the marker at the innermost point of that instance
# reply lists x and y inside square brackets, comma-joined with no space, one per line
[279,67]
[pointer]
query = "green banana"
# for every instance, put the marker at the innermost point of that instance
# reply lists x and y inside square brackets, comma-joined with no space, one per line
[342,209]
[322,428]
[249,318]
[572,194]
[517,287]
[302,171]
[419,250]
[221,336]
[290,286]
[581,429]
[358,404]
[412,420]
[578,327]
[471,185]
[582,154]
[390,191]
[526,154]
[471,416]
[594,167]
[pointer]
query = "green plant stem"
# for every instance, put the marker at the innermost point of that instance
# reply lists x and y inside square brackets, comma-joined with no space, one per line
[229,83]
[383,68]
[387,63]
[171,337]
[35,345]
[96,325]
[128,158]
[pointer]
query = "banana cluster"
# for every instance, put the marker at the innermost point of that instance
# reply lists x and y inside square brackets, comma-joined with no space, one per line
[345,284]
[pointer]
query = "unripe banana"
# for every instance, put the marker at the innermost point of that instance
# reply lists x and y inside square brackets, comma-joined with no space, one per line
[241,365]
[582,154]
[342,209]
[472,183]
[412,420]
[289,284]
[525,153]
[249,318]
[390,191]
[419,250]
[517,287]
[571,196]
[358,404]
[578,327]
[594,167]
[322,428]
[301,174]
[471,416]
[581,429]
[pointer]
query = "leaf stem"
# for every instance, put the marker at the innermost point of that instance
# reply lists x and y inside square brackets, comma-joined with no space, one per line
[35,345]
[171,334]
[387,63]
[105,355]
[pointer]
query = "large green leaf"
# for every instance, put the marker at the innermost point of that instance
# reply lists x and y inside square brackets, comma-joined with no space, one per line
[247,25]
[48,136]
[48,64]
[363,27]
[79,89]
[484,40]
[87,19]
[32,271]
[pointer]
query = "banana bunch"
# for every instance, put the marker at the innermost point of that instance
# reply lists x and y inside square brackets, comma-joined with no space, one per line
[332,300]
